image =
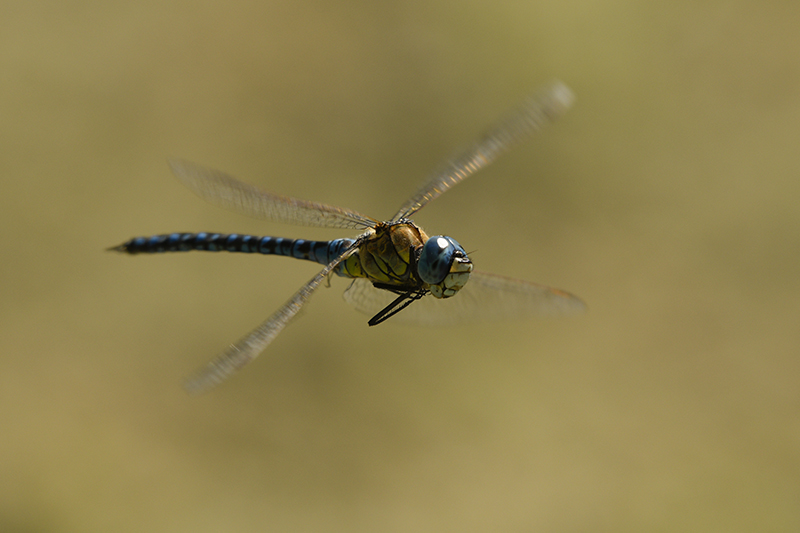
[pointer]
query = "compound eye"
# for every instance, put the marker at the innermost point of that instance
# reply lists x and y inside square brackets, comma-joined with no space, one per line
[436,258]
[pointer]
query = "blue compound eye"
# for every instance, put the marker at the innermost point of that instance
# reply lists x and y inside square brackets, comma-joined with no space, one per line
[436,258]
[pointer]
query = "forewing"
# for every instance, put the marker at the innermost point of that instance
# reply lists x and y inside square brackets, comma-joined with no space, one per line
[539,110]
[226,191]
[485,298]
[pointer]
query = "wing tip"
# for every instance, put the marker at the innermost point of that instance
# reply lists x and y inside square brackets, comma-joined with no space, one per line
[182,167]
[202,381]
[575,304]
[561,94]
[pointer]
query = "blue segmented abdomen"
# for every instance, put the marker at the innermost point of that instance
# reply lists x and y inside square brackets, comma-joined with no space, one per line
[322,252]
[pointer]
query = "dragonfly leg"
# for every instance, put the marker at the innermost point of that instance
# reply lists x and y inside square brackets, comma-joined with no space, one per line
[398,304]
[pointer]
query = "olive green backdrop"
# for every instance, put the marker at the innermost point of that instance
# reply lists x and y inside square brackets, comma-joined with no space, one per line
[667,198]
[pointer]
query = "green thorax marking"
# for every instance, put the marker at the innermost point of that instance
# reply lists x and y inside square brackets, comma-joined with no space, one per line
[386,255]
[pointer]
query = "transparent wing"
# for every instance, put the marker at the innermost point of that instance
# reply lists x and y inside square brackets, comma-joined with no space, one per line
[226,191]
[485,297]
[250,346]
[539,110]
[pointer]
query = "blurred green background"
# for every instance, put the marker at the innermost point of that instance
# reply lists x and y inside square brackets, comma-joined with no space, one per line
[667,198]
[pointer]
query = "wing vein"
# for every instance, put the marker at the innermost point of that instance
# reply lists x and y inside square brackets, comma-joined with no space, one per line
[225,191]
[251,345]
[539,110]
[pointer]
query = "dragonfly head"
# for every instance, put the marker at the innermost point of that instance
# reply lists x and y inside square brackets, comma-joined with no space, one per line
[443,264]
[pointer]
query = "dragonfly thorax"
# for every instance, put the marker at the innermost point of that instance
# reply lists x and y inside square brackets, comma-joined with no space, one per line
[399,256]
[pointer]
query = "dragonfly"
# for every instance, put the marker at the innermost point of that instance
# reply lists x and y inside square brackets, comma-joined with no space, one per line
[397,270]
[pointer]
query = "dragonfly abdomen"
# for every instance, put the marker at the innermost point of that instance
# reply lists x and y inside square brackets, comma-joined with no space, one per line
[319,251]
